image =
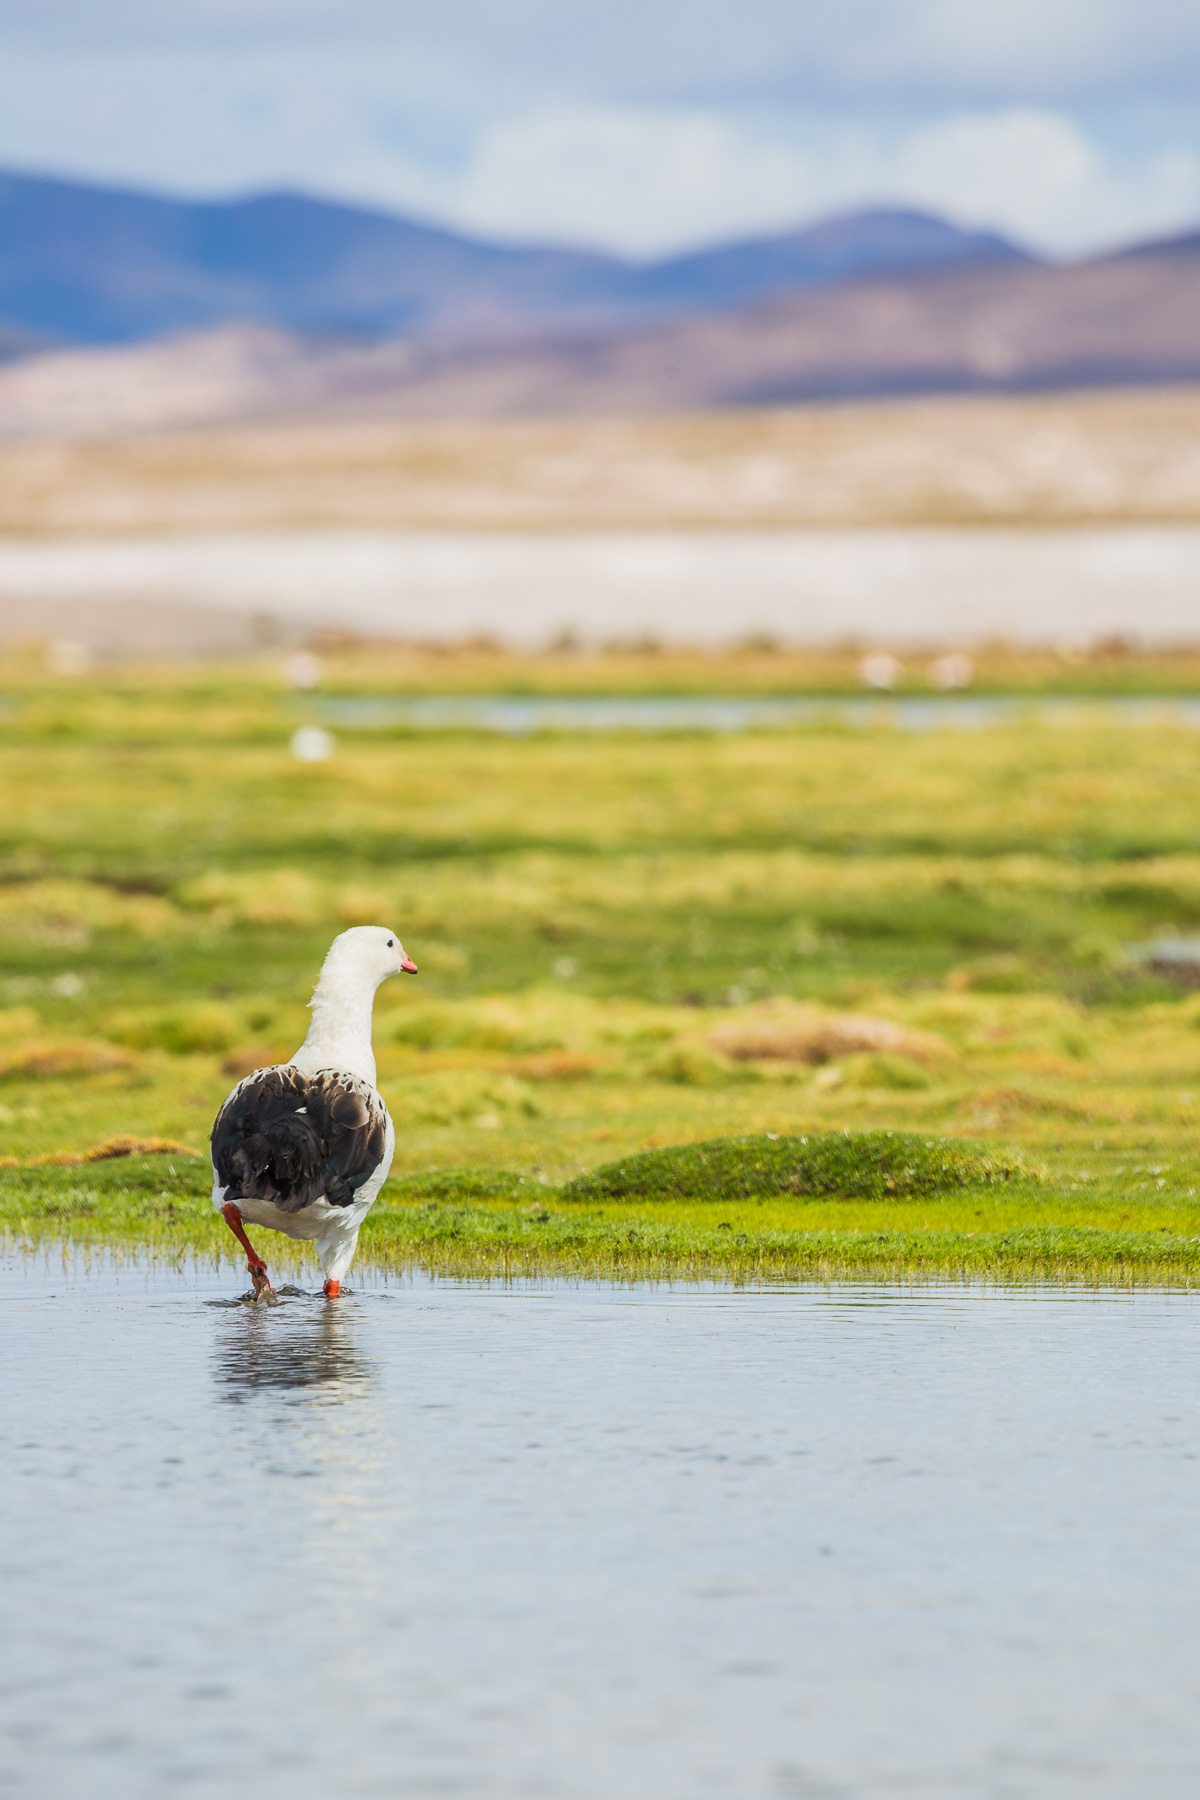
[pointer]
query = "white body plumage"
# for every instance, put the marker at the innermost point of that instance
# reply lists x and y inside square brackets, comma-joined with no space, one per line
[304,1147]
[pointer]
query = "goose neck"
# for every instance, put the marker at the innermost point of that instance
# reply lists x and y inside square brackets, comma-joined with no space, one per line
[339,1036]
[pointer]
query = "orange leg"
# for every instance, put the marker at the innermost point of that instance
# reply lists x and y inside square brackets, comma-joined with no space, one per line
[254,1262]
[332,1289]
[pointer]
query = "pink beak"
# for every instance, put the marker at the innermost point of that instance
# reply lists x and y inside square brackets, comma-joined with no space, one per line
[408,965]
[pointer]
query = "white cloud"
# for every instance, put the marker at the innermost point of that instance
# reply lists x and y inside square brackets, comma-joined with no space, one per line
[1038,175]
[645,181]
[638,181]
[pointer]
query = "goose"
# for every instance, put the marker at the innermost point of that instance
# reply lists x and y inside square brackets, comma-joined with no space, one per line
[304,1147]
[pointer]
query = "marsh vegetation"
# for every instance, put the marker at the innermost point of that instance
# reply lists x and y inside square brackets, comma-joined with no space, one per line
[626,943]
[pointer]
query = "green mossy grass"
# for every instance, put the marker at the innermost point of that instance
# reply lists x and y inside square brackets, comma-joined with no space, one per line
[603,926]
[459,1186]
[961,1214]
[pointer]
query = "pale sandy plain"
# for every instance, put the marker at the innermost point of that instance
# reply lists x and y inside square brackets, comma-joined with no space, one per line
[1130,457]
[1043,518]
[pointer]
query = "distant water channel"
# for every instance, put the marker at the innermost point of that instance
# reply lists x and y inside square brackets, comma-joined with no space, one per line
[568,1540]
[522,715]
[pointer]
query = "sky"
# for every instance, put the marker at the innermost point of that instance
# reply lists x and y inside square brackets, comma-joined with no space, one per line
[640,126]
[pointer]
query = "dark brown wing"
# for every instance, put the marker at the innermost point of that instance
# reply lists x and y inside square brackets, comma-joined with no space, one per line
[295,1139]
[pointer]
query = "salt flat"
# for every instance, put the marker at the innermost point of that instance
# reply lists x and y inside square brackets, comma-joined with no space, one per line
[934,585]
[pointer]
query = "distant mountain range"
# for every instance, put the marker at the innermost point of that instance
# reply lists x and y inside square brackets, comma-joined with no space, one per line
[123,312]
[93,265]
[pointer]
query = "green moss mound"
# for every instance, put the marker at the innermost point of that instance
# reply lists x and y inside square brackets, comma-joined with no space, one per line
[870,1165]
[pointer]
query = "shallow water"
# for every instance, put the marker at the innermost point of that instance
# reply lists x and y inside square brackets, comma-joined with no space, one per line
[521,715]
[574,1540]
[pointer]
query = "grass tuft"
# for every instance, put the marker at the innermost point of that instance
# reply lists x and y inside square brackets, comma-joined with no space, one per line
[111,1149]
[459,1186]
[39,1061]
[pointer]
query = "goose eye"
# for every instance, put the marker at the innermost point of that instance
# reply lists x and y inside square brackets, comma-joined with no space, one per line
[391,943]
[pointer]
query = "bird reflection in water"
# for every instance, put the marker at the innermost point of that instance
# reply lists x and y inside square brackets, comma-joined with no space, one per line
[291,1347]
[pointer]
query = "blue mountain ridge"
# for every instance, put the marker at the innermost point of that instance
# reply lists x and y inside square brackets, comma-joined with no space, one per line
[88,264]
